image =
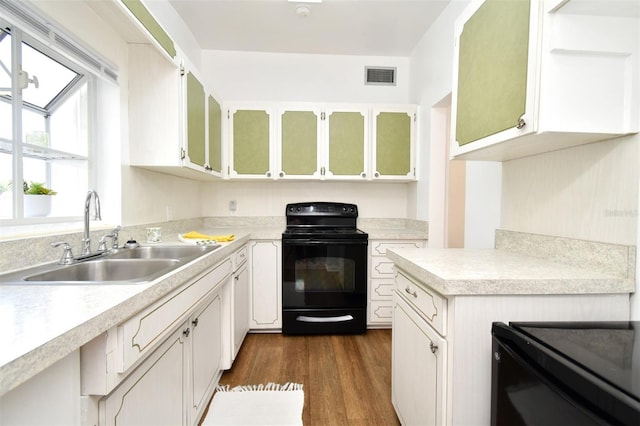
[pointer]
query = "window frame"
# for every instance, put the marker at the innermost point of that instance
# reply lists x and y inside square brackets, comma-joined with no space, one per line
[21,33]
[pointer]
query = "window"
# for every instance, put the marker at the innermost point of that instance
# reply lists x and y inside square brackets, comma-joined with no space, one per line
[45,102]
[51,86]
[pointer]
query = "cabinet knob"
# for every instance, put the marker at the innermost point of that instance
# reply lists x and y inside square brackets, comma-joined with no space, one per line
[363,175]
[521,123]
[376,174]
[268,174]
[186,332]
[195,322]
[433,347]
[281,174]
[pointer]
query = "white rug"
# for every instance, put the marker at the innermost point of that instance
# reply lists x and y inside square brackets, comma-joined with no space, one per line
[272,404]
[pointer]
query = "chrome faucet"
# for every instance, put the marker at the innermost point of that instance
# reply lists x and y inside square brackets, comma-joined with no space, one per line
[86,241]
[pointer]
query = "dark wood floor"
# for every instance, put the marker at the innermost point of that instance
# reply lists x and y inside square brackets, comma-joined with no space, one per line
[346,378]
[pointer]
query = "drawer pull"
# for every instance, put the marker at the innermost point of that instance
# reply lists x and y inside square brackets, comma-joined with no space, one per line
[186,332]
[433,347]
[413,293]
[195,322]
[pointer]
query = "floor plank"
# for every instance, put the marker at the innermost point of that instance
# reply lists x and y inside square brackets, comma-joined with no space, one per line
[346,378]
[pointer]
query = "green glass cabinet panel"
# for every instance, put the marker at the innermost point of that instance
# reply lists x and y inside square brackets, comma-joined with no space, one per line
[147,20]
[492,72]
[195,120]
[215,135]
[251,142]
[393,143]
[346,143]
[299,142]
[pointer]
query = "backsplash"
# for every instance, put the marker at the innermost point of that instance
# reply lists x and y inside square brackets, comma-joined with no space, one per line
[615,259]
[28,251]
[25,252]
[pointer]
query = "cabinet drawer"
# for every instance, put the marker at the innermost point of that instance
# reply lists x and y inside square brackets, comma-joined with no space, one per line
[140,334]
[381,289]
[239,257]
[380,312]
[379,248]
[431,306]
[381,267]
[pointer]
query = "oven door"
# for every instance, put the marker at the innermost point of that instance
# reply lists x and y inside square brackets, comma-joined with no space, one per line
[324,273]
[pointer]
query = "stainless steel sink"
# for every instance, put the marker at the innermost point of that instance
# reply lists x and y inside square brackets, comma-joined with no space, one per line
[121,266]
[107,270]
[161,252]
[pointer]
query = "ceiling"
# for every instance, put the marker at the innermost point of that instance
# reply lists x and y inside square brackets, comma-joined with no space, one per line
[340,27]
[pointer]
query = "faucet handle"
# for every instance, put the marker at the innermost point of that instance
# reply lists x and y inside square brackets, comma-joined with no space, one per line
[67,256]
[102,244]
[114,234]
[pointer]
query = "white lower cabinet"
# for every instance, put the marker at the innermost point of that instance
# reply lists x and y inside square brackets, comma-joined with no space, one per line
[266,284]
[206,351]
[162,365]
[235,308]
[418,355]
[441,345]
[240,307]
[51,397]
[380,289]
[155,393]
[175,383]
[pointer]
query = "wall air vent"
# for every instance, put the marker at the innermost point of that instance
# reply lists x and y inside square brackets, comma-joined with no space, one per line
[381,76]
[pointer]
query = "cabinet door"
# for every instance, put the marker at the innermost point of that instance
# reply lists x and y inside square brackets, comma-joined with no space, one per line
[147,20]
[155,108]
[154,393]
[417,370]
[493,92]
[266,284]
[195,101]
[240,307]
[250,141]
[215,136]
[206,344]
[393,143]
[299,142]
[347,147]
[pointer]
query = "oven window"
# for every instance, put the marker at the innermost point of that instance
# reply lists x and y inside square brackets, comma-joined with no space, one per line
[325,274]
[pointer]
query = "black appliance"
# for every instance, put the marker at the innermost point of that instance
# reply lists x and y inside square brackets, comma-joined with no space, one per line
[566,373]
[324,270]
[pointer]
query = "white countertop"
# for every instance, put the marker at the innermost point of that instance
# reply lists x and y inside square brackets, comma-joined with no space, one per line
[42,324]
[453,272]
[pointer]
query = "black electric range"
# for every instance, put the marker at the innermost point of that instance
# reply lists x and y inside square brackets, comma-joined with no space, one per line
[566,373]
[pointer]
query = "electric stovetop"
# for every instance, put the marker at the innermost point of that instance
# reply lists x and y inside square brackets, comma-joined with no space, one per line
[609,350]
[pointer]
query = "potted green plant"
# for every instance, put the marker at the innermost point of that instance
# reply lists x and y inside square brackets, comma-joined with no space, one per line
[37,199]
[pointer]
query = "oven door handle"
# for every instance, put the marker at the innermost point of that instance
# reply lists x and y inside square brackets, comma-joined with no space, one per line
[341,318]
[323,242]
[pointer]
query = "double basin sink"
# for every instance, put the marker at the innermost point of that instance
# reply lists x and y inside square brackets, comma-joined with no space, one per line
[120,266]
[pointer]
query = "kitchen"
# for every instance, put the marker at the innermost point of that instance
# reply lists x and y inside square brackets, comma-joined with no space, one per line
[591,191]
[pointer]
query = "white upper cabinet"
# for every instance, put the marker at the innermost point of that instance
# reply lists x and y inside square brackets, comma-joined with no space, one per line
[174,123]
[318,141]
[534,76]
[393,142]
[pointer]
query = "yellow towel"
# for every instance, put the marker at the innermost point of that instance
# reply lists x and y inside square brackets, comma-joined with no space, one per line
[218,238]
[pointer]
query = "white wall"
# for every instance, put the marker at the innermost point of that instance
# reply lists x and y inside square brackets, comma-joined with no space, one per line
[374,200]
[255,76]
[588,192]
